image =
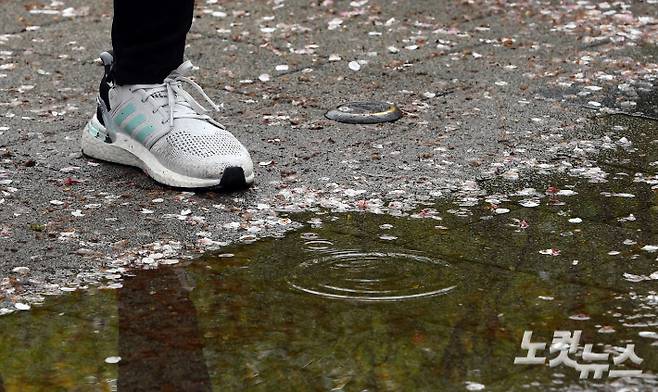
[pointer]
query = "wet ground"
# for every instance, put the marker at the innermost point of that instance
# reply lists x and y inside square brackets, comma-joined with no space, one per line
[503,201]
[435,299]
[489,89]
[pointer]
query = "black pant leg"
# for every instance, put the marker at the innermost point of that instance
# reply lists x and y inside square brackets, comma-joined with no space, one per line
[148,38]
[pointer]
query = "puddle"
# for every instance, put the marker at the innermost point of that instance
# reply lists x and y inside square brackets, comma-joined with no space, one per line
[375,302]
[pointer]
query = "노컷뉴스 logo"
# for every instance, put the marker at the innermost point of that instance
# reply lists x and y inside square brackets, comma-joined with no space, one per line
[565,347]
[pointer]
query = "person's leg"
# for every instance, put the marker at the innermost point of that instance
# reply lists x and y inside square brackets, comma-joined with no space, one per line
[144,116]
[148,38]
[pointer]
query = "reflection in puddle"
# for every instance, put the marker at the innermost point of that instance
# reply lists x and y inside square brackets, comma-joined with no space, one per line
[160,343]
[373,276]
[567,254]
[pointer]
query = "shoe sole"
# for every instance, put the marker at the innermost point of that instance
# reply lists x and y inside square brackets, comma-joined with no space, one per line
[126,151]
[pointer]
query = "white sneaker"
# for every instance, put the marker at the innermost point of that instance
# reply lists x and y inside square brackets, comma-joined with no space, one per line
[162,129]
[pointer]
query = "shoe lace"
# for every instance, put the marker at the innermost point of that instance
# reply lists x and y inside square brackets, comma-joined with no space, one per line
[179,102]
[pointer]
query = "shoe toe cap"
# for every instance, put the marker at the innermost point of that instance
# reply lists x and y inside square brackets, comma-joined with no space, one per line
[214,167]
[203,156]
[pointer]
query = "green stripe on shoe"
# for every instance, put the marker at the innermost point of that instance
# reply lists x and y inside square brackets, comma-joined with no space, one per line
[124,114]
[134,123]
[144,133]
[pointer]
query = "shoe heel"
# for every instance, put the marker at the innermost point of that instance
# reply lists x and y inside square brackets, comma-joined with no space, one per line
[94,146]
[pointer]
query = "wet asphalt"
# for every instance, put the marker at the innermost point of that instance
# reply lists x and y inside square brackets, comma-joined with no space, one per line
[487,90]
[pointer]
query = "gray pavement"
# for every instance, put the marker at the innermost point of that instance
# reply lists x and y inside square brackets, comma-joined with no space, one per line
[489,89]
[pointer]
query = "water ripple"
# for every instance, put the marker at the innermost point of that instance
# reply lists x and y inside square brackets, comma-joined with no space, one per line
[373,276]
